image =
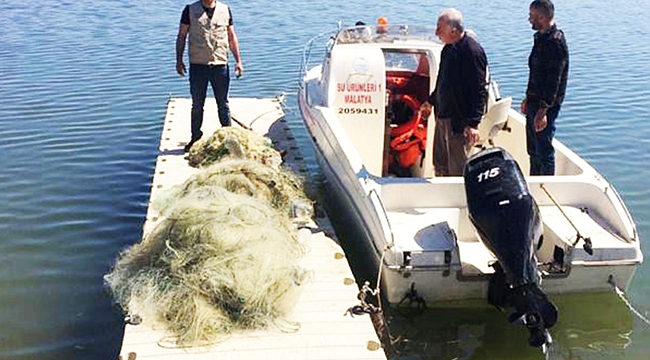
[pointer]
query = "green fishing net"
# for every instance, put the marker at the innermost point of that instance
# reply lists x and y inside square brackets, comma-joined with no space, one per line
[225,255]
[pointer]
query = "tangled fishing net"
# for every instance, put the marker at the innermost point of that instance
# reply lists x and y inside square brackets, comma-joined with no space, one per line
[233,142]
[280,188]
[224,257]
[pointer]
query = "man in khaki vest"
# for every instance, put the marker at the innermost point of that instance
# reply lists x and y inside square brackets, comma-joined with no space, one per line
[208,27]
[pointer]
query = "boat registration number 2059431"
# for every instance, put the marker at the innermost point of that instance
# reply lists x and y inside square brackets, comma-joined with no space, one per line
[355,110]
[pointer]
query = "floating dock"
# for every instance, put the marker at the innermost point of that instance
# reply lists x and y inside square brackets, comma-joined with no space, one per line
[325,331]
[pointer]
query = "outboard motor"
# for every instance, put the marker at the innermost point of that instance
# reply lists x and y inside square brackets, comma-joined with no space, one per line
[507,220]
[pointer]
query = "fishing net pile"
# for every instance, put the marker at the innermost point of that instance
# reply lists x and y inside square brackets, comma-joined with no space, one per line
[223,258]
[280,188]
[231,142]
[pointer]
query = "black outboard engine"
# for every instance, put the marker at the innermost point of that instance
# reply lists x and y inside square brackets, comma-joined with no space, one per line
[508,222]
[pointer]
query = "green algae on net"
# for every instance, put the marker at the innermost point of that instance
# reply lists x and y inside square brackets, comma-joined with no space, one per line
[225,255]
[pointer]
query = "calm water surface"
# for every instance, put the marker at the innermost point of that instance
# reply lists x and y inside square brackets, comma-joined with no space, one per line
[83,87]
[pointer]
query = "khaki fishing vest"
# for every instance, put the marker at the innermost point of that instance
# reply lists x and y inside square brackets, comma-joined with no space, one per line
[208,39]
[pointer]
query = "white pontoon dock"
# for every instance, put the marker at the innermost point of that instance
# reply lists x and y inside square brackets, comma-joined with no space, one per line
[325,332]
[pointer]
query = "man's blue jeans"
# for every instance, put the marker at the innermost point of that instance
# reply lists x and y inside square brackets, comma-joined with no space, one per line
[219,78]
[540,144]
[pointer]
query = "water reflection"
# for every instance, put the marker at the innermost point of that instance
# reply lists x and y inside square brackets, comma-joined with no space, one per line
[475,330]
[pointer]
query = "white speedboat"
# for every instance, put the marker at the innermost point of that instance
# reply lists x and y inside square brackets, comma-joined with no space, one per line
[424,240]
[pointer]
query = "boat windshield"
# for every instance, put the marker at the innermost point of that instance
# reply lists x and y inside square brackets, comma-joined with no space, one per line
[402,60]
[385,34]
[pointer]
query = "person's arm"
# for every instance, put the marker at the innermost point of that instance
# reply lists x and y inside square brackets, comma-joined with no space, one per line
[234,48]
[558,58]
[476,81]
[477,87]
[183,29]
[429,104]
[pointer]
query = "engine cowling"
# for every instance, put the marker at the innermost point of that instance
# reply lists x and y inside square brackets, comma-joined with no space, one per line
[508,222]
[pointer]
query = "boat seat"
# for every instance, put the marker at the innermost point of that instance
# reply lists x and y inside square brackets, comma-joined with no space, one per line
[426,233]
[494,121]
[607,245]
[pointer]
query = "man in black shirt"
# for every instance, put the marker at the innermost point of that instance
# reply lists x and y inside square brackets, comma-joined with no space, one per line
[459,97]
[549,69]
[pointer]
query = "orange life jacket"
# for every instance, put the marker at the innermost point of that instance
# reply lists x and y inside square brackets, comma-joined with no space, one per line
[408,140]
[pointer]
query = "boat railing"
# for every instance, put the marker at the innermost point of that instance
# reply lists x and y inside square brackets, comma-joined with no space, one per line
[385,34]
[326,40]
[364,34]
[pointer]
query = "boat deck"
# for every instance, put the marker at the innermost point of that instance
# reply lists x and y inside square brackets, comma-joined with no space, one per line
[325,332]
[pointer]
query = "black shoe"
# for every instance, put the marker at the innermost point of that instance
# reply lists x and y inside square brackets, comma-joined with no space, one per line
[189,144]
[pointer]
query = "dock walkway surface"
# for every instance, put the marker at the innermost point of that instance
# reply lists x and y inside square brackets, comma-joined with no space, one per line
[325,331]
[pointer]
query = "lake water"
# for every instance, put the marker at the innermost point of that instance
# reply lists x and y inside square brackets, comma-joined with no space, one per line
[84,85]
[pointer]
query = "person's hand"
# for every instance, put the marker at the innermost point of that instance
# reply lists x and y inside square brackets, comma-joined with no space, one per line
[540,120]
[471,135]
[425,110]
[180,68]
[239,69]
[524,106]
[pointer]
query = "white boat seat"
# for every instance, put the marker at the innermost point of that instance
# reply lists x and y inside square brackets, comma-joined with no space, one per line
[494,120]
[606,245]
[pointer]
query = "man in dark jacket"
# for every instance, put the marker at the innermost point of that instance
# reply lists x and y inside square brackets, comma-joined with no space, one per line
[459,96]
[549,69]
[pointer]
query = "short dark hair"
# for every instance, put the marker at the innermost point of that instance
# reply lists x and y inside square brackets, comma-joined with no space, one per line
[545,6]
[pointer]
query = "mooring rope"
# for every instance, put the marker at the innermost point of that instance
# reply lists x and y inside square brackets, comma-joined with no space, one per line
[376,313]
[364,307]
[621,295]
[381,267]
